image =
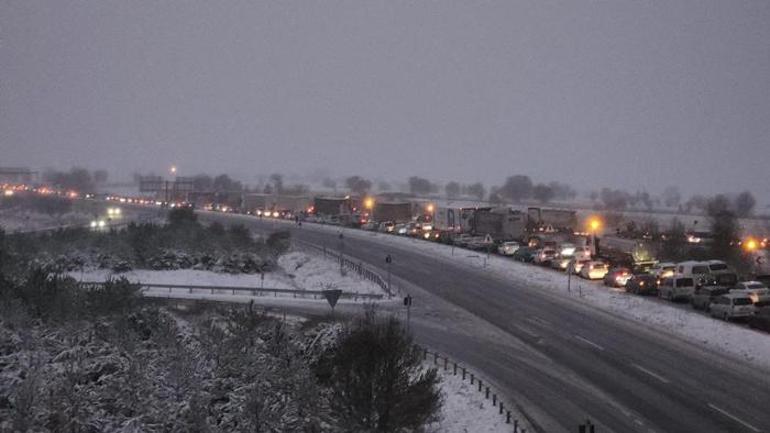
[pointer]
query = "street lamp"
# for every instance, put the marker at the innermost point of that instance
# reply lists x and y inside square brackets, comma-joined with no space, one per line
[172,169]
[750,245]
[594,225]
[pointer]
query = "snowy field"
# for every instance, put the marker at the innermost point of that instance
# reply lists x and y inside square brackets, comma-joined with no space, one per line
[730,338]
[297,270]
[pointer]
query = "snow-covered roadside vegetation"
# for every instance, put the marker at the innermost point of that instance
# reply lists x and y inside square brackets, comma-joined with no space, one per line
[183,243]
[104,360]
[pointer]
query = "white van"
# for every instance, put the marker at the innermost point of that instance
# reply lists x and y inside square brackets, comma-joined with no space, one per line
[693,269]
[676,287]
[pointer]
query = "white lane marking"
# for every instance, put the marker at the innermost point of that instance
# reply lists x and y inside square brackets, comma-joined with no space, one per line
[538,321]
[733,417]
[651,373]
[527,331]
[589,342]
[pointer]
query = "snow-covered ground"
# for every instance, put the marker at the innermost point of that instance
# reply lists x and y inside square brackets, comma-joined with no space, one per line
[14,220]
[734,339]
[298,270]
[466,410]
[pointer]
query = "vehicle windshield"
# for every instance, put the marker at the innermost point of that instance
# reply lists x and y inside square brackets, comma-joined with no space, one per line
[718,267]
[700,269]
[741,301]
[755,286]
[600,266]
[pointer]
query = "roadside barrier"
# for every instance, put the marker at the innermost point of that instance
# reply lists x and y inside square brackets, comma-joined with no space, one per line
[253,291]
[358,267]
[503,409]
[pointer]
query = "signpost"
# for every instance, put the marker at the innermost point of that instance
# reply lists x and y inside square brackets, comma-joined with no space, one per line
[332,296]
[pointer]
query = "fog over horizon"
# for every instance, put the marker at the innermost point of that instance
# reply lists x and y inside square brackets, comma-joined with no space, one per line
[629,95]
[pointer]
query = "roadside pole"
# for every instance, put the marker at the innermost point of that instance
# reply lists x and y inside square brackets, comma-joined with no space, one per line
[569,277]
[389,260]
[408,305]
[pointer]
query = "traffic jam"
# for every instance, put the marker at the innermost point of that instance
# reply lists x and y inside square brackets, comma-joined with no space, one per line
[629,259]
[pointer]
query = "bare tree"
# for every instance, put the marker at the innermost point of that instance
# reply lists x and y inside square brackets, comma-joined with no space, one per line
[543,193]
[358,185]
[452,190]
[476,190]
[744,204]
[516,188]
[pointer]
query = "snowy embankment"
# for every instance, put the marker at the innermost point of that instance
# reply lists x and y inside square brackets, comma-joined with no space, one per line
[297,270]
[465,409]
[678,320]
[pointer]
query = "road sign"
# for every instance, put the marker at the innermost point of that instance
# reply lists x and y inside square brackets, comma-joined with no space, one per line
[332,296]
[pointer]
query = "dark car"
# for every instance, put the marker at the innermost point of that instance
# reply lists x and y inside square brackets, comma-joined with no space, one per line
[617,277]
[642,284]
[524,254]
[761,320]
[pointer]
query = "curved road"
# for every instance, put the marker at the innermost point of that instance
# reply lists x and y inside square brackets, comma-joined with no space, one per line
[561,360]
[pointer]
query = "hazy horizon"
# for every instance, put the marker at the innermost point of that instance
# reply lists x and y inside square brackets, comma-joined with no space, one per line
[626,95]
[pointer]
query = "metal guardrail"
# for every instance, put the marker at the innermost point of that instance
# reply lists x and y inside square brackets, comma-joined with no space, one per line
[476,382]
[254,291]
[357,267]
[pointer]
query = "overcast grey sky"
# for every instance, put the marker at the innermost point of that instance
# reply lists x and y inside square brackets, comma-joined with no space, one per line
[634,94]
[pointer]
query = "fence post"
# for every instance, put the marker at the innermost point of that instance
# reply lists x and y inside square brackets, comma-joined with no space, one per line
[435,358]
[446,362]
[515,426]
[463,373]
[487,395]
[507,417]
[454,369]
[494,399]
[424,354]
[472,378]
[479,385]
[501,408]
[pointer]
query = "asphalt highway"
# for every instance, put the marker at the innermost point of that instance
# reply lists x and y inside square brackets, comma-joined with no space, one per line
[561,360]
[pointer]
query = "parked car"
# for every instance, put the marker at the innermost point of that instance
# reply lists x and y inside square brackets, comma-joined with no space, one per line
[594,270]
[676,288]
[508,248]
[388,227]
[402,229]
[617,277]
[663,270]
[544,256]
[642,284]
[704,295]
[524,254]
[761,320]
[756,291]
[732,306]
